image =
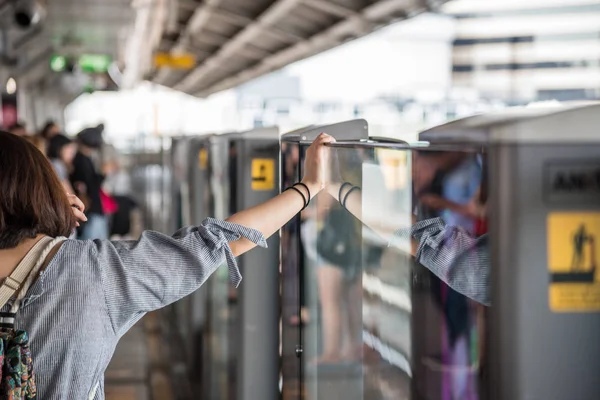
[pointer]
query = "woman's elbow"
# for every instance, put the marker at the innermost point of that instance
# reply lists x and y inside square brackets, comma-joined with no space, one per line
[240,246]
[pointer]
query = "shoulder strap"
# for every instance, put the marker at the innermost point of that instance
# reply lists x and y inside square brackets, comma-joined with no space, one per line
[22,276]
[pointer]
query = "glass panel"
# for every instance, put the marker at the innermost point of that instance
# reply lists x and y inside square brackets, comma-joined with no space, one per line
[380,324]
[449,281]
[219,378]
[293,311]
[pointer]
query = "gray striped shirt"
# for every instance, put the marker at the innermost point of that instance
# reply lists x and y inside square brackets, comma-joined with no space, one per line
[92,292]
[453,255]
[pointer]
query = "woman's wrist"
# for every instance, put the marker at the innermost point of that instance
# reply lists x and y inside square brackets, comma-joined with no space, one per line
[313,187]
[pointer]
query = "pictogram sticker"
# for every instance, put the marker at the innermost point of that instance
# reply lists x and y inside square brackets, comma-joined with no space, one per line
[263,174]
[573,250]
[202,159]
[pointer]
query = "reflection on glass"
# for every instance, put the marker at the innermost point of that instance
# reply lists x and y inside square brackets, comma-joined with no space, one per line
[292,263]
[396,282]
[449,217]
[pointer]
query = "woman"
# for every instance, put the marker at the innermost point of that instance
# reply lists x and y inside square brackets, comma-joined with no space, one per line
[87,183]
[61,152]
[91,292]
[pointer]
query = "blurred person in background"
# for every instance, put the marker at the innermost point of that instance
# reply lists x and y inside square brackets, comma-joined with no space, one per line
[38,142]
[106,158]
[338,263]
[50,130]
[338,245]
[87,183]
[61,152]
[18,129]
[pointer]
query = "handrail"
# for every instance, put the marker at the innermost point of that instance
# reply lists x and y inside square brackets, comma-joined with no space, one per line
[470,147]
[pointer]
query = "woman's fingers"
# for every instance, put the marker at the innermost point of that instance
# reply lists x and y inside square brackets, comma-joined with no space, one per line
[79,215]
[75,202]
[325,138]
[78,207]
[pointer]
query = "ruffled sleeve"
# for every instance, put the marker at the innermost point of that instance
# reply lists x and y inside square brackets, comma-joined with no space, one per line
[156,270]
[453,255]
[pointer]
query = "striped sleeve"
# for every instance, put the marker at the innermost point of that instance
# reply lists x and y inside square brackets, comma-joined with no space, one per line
[453,255]
[157,270]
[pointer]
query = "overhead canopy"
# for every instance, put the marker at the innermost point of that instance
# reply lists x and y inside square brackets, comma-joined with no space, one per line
[66,31]
[225,42]
[234,41]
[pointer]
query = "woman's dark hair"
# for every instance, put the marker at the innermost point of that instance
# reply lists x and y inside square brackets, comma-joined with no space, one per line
[46,129]
[56,144]
[32,199]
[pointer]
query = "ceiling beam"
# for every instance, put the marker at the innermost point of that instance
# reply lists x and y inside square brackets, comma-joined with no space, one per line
[210,38]
[234,19]
[331,8]
[281,35]
[330,38]
[254,52]
[194,27]
[271,15]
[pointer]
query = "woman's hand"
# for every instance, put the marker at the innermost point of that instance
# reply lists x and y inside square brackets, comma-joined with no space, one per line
[316,164]
[77,207]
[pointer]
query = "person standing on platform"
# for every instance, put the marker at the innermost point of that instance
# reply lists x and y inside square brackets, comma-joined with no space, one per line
[87,183]
[91,292]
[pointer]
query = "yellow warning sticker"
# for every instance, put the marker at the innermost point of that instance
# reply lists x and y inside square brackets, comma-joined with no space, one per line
[573,250]
[263,174]
[202,159]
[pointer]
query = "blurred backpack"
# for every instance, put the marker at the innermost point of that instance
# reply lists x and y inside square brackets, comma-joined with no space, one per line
[339,242]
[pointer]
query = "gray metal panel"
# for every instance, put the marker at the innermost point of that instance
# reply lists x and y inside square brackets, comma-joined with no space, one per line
[522,124]
[219,160]
[199,180]
[258,362]
[179,172]
[258,133]
[192,309]
[535,353]
[357,129]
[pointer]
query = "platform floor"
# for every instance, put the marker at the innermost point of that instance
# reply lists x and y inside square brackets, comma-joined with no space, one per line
[136,371]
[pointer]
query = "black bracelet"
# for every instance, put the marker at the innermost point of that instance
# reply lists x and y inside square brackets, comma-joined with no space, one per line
[348,194]
[301,194]
[308,190]
[342,188]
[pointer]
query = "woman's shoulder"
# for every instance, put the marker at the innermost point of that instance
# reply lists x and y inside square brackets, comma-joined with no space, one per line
[77,252]
[75,259]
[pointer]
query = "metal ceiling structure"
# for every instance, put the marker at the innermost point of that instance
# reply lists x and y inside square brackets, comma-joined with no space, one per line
[67,27]
[235,41]
[232,41]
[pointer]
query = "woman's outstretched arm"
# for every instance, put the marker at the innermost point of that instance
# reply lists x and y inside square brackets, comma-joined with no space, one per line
[146,274]
[270,216]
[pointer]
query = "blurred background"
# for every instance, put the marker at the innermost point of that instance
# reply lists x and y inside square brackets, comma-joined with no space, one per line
[405,66]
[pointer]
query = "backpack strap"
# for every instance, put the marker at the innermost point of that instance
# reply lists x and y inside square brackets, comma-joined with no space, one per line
[26,271]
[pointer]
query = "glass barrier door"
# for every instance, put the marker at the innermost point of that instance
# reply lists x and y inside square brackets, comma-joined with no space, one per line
[394,289]
[218,354]
[292,262]
[298,329]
